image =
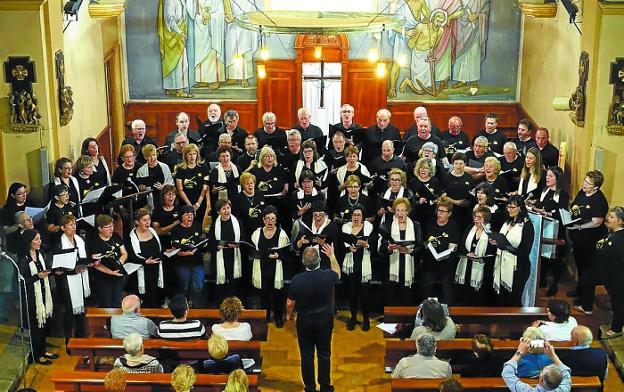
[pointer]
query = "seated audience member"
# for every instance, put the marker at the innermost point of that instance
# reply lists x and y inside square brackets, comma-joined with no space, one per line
[115,381]
[237,382]
[555,377]
[582,359]
[231,329]
[180,328]
[220,362]
[535,359]
[559,324]
[423,364]
[183,378]
[136,361]
[131,320]
[435,322]
[485,363]
[451,385]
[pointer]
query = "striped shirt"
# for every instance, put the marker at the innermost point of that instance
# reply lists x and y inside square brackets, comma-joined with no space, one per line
[181,330]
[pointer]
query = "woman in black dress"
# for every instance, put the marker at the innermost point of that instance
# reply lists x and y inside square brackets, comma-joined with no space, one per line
[475,269]
[249,204]
[188,266]
[125,173]
[224,178]
[426,189]
[268,268]
[17,200]
[310,160]
[190,181]
[59,206]
[73,285]
[63,175]
[492,168]
[484,195]
[402,258]
[591,206]
[303,197]
[87,182]
[553,198]
[397,179]
[457,185]
[272,181]
[357,240]
[165,217]
[157,172]
[350,199]
[512,267]
[38,296]
[91,148]
[108,248]
[146,250]
[532,177]
[352,167]
[227,231]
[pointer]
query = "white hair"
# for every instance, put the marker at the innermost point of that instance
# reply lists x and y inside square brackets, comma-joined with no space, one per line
[133,343]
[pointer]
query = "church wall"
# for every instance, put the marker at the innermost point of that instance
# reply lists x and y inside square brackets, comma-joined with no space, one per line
[21,34]
[550,52]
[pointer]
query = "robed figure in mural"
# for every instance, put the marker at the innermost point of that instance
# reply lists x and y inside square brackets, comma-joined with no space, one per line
[209,43]
[173,32]
[470,32]
[239,41]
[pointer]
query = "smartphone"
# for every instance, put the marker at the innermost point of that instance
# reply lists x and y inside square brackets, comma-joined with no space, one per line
[537,343]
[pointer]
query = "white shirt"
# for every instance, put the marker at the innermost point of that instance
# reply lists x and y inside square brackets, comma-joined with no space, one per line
[558,332]
[242,332]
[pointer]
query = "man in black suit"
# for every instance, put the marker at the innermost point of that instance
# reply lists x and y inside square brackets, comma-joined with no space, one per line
[550,153]
[421,112]
[232,128]
[138,140]
[583,359]
[376,134]
[312,293]
[307,130]
[269,129]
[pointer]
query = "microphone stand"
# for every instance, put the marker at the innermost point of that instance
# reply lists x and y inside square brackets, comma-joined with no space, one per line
[20,279]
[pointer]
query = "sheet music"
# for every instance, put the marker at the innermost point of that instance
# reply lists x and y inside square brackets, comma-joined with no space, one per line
[390,328]
[441,255]
[131,267]
[93,195]
[89,219]
[172,253]
[36,213]
[65,260]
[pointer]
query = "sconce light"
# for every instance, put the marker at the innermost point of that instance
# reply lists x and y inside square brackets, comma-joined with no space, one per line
[402,60]
[373,55]
[261,71]
[264,53]
[380,71]
[318,52]
[237,59]
[71,9]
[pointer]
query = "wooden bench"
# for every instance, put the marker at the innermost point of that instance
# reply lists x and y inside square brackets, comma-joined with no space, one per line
[585,384]
[90,348]
[98,319]
[457,350]
[94,381]
[499,322]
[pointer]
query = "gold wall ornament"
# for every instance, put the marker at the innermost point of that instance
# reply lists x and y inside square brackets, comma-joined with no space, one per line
[67,105]
[24,113]
[577,101]
[615,121]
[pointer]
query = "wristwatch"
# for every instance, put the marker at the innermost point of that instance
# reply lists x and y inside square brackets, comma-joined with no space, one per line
[518,353]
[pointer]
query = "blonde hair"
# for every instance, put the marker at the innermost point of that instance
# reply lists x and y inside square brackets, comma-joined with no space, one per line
[217,346]
[148,149]
[534,333]
[404,201]
[398,171]
[245,177]
[424,162]
[192,147]
[237,382]
[266,150]
[115,380]
[183,378]
[495,162]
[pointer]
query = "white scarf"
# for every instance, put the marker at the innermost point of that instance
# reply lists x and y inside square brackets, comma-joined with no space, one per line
[342,172]
[387,196]
[143,171]
[136,247]
[256,275]
[222,178]
[301,193]
[103,161]
[506,262]
[237,254]
[74,182]
[476,271]
[347,265]
[410,235]
[317,167]
[42,311]
[78,284]
[531,186]
[555,195]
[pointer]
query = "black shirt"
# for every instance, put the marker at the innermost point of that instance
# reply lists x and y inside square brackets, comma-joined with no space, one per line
[249,210]
[374,138]
[270,182]
[313,292]
[550,155]
[111,247]
[440,237]
[523,146]
[192,181]
[415,143]
[186,235]
[121,175]
[262,135]
[510,171]
[381,166]
[454,142]
[496,140]
[165,218]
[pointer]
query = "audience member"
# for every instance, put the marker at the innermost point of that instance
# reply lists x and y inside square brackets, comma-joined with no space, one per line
[136,361]
[435,322]
[237,382]
[220,362]
[582,359]
[485,363]
[559,324]
[180,328]
[423,364]
[535,359]
[115,381]
[183,378]
[131,320]
[231,329]
[451,385]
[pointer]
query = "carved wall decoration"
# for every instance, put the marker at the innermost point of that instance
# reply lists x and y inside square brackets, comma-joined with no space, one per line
[615,123]
[65,93]
[577,101]
[20,73]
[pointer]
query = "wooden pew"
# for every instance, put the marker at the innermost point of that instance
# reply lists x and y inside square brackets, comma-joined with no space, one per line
[499,322]
[94,381]
[585,384]
[98,319]
[89,348]
[457,350]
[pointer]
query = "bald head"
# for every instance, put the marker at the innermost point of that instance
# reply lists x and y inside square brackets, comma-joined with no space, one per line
[387,149]
[419,112]
[131,304]
[581,336]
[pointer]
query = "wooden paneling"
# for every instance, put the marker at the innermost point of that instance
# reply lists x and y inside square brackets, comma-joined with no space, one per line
[104,140]
[472,115]
[277,92]
[366,92]
[160,117]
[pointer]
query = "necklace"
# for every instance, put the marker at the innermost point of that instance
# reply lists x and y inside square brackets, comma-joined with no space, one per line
[354,203]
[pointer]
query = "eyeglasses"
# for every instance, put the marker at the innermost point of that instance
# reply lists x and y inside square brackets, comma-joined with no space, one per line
[511,207]
[445,211]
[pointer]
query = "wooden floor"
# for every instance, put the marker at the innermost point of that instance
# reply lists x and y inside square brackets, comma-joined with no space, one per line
[357,362]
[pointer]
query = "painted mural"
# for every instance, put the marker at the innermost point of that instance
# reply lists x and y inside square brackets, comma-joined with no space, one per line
[445,50]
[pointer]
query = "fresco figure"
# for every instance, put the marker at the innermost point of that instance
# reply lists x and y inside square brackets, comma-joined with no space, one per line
[209,32]
[470,32]
[398,37]
[429,43]
[172,32]
[239,41]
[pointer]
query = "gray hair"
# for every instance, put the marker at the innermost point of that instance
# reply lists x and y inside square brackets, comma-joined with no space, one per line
[481,140]
[311,258]
[425,119]
[384,112]
[19,215]
[303,111]
[231,114]
[511,145]
[224,136]
[137,122]
[133,343]
[180,134]
[293,134]
[268,116]
[432,146]
[551,377]
[618,211]
[426,345]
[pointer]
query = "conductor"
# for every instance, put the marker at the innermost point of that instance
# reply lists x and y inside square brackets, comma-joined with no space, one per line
[312,291]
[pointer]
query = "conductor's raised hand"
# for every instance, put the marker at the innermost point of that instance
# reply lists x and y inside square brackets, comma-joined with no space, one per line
[328,250]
